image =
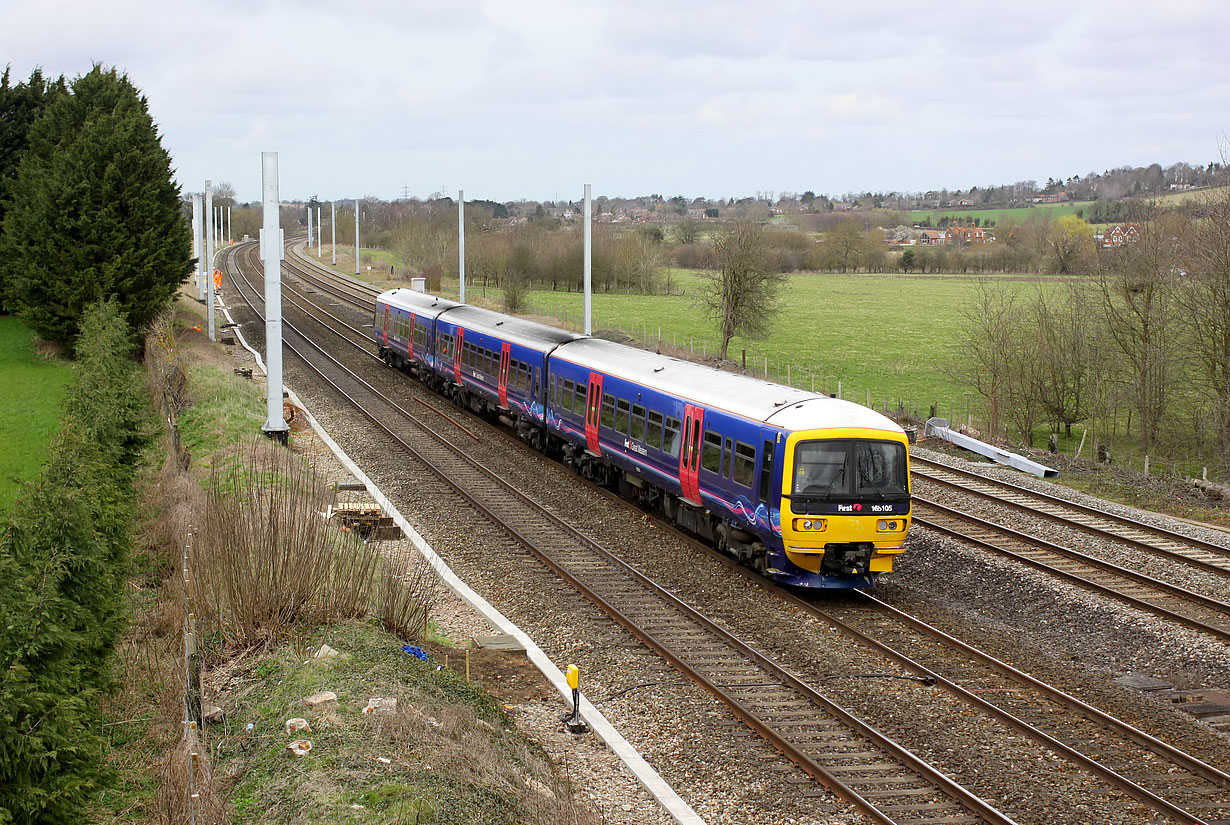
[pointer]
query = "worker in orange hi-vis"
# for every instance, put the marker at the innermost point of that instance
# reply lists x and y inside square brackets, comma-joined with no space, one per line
[217,279]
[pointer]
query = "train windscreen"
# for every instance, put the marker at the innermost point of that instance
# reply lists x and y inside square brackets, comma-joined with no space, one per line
[850,469]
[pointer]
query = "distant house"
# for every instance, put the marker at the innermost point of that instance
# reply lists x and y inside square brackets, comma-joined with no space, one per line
[1058,197]
[967,234]
[934,237]
[1119,234]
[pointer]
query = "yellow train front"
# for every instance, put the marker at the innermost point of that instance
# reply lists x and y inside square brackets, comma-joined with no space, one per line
[844,498]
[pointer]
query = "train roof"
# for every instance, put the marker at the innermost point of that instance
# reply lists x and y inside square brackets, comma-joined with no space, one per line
[743,395]
[420,303]
[517,330]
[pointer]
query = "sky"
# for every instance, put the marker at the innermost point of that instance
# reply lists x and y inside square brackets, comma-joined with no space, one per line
[521,99]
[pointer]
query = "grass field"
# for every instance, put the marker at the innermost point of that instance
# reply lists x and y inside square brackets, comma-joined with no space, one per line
[884,338]
[1055,210]
[31,388]
[1193,195]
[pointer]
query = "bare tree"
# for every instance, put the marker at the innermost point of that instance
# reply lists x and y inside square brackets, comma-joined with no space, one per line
[688,231]
[1138,302]
[1203,289]
[1066,350]
[988,348]
[742,294]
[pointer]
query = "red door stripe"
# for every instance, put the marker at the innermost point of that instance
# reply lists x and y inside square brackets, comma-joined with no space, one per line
[593,407]
[505,357]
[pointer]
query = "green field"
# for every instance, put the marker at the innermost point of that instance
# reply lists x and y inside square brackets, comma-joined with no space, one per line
[31,388]
[885,338]
[1055,210]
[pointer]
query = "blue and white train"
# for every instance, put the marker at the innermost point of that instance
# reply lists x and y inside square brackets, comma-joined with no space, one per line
[810,490]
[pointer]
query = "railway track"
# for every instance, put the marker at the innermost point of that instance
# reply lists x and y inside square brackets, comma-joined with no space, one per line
[1204,555]
[1163,778]
[1160,598]
[849,757]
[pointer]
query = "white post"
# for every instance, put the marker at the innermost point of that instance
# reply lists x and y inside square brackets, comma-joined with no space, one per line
[333,228]
[588,268]
[198,242]
[309,226]
[271,251]
[209,255]
[461,243]
[230,237]
[320,235]
[356,237]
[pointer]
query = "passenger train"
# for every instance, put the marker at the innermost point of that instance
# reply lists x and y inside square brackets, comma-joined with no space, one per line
[811,491]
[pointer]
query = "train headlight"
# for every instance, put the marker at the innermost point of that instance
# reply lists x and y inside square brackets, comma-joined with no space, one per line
[885,526]
[812,524]
[881,525]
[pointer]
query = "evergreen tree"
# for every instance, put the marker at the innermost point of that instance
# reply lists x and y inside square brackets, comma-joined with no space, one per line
[94,212]
[20,105]
[62,560]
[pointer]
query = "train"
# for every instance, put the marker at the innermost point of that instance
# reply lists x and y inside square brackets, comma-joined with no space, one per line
[809,490]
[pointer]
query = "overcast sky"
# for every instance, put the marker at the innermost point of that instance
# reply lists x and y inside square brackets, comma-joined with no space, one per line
[512,99]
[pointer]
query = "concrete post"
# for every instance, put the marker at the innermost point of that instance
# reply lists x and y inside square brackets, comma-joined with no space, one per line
[309,226]
[461,243]
[209,255]
[271,249]
[333,228]
[356,237]
[588,265]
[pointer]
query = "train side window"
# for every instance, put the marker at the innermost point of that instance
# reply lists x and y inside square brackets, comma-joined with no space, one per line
[579,401]
[711,452]
[523,370]
[653,435]
[608,410]
[744,464]
[670,436]
[621,416]
[637,427]
[727,456]
[766,470]
[567,400]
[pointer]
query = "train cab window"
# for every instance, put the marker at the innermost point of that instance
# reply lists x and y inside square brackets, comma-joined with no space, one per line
[653,434]
[744,464]
[711,452]
[727,455]
[670,436]
[621,416]
[608,410]
[766,470]
[637,427]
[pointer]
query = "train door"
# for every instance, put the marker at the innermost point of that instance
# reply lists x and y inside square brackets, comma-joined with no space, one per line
[457,350]
[410,339]
[593,407]
[385,328]
[689,456]
[505,358]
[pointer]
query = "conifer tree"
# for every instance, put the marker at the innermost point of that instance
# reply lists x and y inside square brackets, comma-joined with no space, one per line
[93,212]
[20,105]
